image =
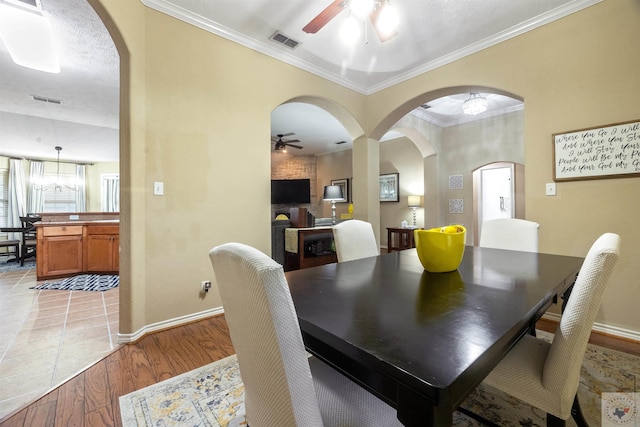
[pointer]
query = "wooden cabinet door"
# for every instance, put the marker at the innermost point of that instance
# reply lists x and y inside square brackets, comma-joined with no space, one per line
[99,249]
[61,255]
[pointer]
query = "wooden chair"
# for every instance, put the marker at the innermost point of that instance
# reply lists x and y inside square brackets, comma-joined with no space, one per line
[283,386]
[354,239]
[510,233]
[547,375]
[28,246]
[15,244]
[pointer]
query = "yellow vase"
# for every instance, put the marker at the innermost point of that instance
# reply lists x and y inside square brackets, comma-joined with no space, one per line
[440,249]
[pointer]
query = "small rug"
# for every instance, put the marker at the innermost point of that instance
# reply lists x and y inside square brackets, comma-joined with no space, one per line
[214,396]
[29,264]
[83,282]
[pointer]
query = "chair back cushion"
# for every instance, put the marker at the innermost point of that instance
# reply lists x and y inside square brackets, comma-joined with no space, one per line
[510,233]
[266,335]
[354,240]
[561,372]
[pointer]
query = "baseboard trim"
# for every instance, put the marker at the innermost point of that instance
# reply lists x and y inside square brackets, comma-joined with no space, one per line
[166,324]
[602,328]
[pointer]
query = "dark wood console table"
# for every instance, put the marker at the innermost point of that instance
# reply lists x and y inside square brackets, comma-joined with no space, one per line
[399,239]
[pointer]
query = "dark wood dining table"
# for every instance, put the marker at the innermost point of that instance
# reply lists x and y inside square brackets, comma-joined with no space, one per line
[423,341]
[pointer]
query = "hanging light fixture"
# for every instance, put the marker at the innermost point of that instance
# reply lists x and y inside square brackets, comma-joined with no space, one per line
[475,104]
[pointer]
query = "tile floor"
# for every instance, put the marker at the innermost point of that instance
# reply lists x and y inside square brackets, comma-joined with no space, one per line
[46,337]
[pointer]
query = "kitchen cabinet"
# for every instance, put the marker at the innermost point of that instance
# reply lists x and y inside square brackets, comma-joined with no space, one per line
[101,245]
[67,249]
[59,251]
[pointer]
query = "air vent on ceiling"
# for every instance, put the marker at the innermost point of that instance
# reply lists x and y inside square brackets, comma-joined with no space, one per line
[425,106]
[341,142]
[45,99]
[278,37]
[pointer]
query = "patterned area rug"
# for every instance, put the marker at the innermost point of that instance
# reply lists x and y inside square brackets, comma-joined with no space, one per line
[83,282]
[29,264]
[214,396]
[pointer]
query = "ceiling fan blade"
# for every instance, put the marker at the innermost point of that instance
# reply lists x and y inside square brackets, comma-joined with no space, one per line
[291,145]
[324,17]
[291,140]
[374,16]
[281,135]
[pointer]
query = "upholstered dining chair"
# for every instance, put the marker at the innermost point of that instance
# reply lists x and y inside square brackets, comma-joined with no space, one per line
[283,386]
[510,233]
[547,375]
[354,239]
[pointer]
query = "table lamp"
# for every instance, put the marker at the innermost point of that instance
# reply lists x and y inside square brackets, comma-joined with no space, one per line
[333,193]
[414,202]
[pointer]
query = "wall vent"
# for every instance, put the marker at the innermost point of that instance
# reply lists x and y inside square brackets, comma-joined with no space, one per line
[341,142]
[45,99]
[278,37]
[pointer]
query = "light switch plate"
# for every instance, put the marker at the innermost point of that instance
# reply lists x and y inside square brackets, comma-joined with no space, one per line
[158,188]
[551,189]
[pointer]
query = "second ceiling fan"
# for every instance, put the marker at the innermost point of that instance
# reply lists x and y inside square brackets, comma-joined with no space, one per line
[383,16]
[281,144]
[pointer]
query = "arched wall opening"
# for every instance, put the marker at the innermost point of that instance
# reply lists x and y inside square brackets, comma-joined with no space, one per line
[451,153]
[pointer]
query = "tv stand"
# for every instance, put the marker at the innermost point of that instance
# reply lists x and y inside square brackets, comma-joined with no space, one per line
[314,247]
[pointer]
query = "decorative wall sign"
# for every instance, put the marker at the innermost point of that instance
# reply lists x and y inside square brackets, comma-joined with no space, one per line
[612,151]
[389,187]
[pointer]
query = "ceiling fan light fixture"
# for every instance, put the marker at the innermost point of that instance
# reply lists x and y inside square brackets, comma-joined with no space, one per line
[361,8]
[388,20]
[475,104]
[350,31]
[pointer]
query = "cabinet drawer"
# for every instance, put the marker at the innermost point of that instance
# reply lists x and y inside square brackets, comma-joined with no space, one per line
[102,229]
[63,230]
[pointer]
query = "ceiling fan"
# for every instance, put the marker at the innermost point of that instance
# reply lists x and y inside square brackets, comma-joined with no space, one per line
[382,15]
[281,144]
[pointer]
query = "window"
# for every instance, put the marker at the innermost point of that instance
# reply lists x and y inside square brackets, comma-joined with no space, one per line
[4,197]
[60,198]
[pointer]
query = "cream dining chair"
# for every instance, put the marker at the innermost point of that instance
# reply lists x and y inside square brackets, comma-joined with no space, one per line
[510,233]
[547,375]
[354,239]
[283,386]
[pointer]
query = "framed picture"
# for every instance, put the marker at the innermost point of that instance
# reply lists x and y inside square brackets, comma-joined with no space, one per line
[389,187]
[344,183]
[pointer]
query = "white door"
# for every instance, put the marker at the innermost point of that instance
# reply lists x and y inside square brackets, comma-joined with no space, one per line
[495,192]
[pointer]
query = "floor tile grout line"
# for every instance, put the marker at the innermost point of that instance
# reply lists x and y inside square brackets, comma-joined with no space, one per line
[64,326]
[106,316]
[22,322]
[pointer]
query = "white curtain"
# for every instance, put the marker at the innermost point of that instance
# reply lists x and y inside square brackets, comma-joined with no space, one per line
[111,193]
[17,197]
[35,195]
[81,197]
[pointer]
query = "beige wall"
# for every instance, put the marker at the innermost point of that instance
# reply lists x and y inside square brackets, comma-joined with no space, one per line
[196,115]
[331,167]
[401,156]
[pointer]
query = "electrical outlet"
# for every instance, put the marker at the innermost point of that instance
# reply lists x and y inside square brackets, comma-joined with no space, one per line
[551,189]
[206,285]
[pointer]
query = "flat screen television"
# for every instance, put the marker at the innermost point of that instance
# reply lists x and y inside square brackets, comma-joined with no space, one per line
[290,191]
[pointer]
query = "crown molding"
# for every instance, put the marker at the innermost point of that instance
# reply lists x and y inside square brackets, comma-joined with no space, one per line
[168,8]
